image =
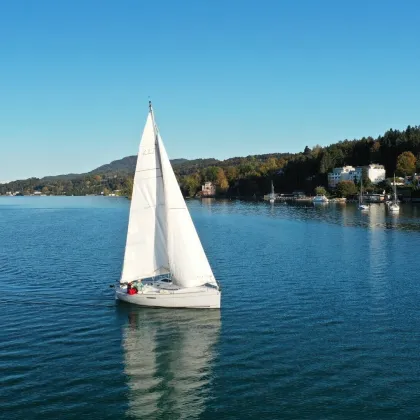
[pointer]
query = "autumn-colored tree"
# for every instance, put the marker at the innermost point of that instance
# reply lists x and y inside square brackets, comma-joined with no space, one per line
[97,178]
[269,166]
[406,164]
[221,181]
[281,163]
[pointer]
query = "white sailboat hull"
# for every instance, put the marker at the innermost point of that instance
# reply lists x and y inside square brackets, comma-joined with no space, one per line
[394,208]
[192,297]
[320,199]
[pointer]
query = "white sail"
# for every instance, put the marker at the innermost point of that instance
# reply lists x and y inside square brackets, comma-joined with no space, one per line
[145,251]
[187,260]
[161,235]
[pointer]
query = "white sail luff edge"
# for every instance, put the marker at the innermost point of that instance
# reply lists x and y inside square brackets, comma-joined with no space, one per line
[145,251]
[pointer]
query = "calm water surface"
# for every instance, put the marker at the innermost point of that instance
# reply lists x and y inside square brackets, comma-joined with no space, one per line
[320,316]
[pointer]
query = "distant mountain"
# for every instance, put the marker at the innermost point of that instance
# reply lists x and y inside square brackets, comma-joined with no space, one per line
[122,166]
[62,177]
[127,166]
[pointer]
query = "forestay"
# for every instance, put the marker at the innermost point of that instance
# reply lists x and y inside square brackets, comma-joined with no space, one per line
[187,259]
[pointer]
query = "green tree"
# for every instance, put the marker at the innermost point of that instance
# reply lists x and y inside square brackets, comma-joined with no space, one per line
[191,184]
[320,191]
[316,150]
[406,164]
[210,173]
[127,187]
[247,169]
[418,163]
[326,163]
[346,189]
[365,178]
[375,153]
[231,174]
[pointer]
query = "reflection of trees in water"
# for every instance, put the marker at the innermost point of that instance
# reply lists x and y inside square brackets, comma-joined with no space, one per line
[168,359]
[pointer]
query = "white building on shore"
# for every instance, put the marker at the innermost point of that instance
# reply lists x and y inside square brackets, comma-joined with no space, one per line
[346,173]
[375,172]
[208,189]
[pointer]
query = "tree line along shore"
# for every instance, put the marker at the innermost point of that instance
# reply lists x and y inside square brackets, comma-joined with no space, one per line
[397,150]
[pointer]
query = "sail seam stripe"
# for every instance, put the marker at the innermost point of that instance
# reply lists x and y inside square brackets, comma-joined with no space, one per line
[151,169]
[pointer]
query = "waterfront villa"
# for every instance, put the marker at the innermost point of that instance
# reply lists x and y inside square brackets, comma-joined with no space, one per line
[208,189]
[375,172]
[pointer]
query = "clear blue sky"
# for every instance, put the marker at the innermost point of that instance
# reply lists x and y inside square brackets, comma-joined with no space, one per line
[227,77]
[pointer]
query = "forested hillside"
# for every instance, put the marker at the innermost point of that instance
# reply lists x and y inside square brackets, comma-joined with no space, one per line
[246,176]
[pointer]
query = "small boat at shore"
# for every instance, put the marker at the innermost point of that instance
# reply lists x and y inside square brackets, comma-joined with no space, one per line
[394,207]
[272,195]
[363,207]
[320,199]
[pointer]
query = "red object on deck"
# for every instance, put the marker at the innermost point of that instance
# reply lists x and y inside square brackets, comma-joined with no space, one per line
[132,291]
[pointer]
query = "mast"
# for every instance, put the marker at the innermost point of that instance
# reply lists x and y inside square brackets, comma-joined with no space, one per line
[395,191]
[146,244]
[154,123]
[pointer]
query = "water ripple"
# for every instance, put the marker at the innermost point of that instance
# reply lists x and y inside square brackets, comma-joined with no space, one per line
[320,316]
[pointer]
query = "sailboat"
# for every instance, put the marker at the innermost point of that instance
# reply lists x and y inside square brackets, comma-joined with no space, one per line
[361,205]
[164,262]
[394,207]
[272,195]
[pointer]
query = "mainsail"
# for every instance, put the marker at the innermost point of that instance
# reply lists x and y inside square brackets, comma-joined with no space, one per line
[145,250]
[161,235]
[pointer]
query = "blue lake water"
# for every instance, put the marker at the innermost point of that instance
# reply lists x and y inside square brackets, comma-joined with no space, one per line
[320,316]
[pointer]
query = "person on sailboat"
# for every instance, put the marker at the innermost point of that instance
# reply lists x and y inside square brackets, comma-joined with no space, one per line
[131,290]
